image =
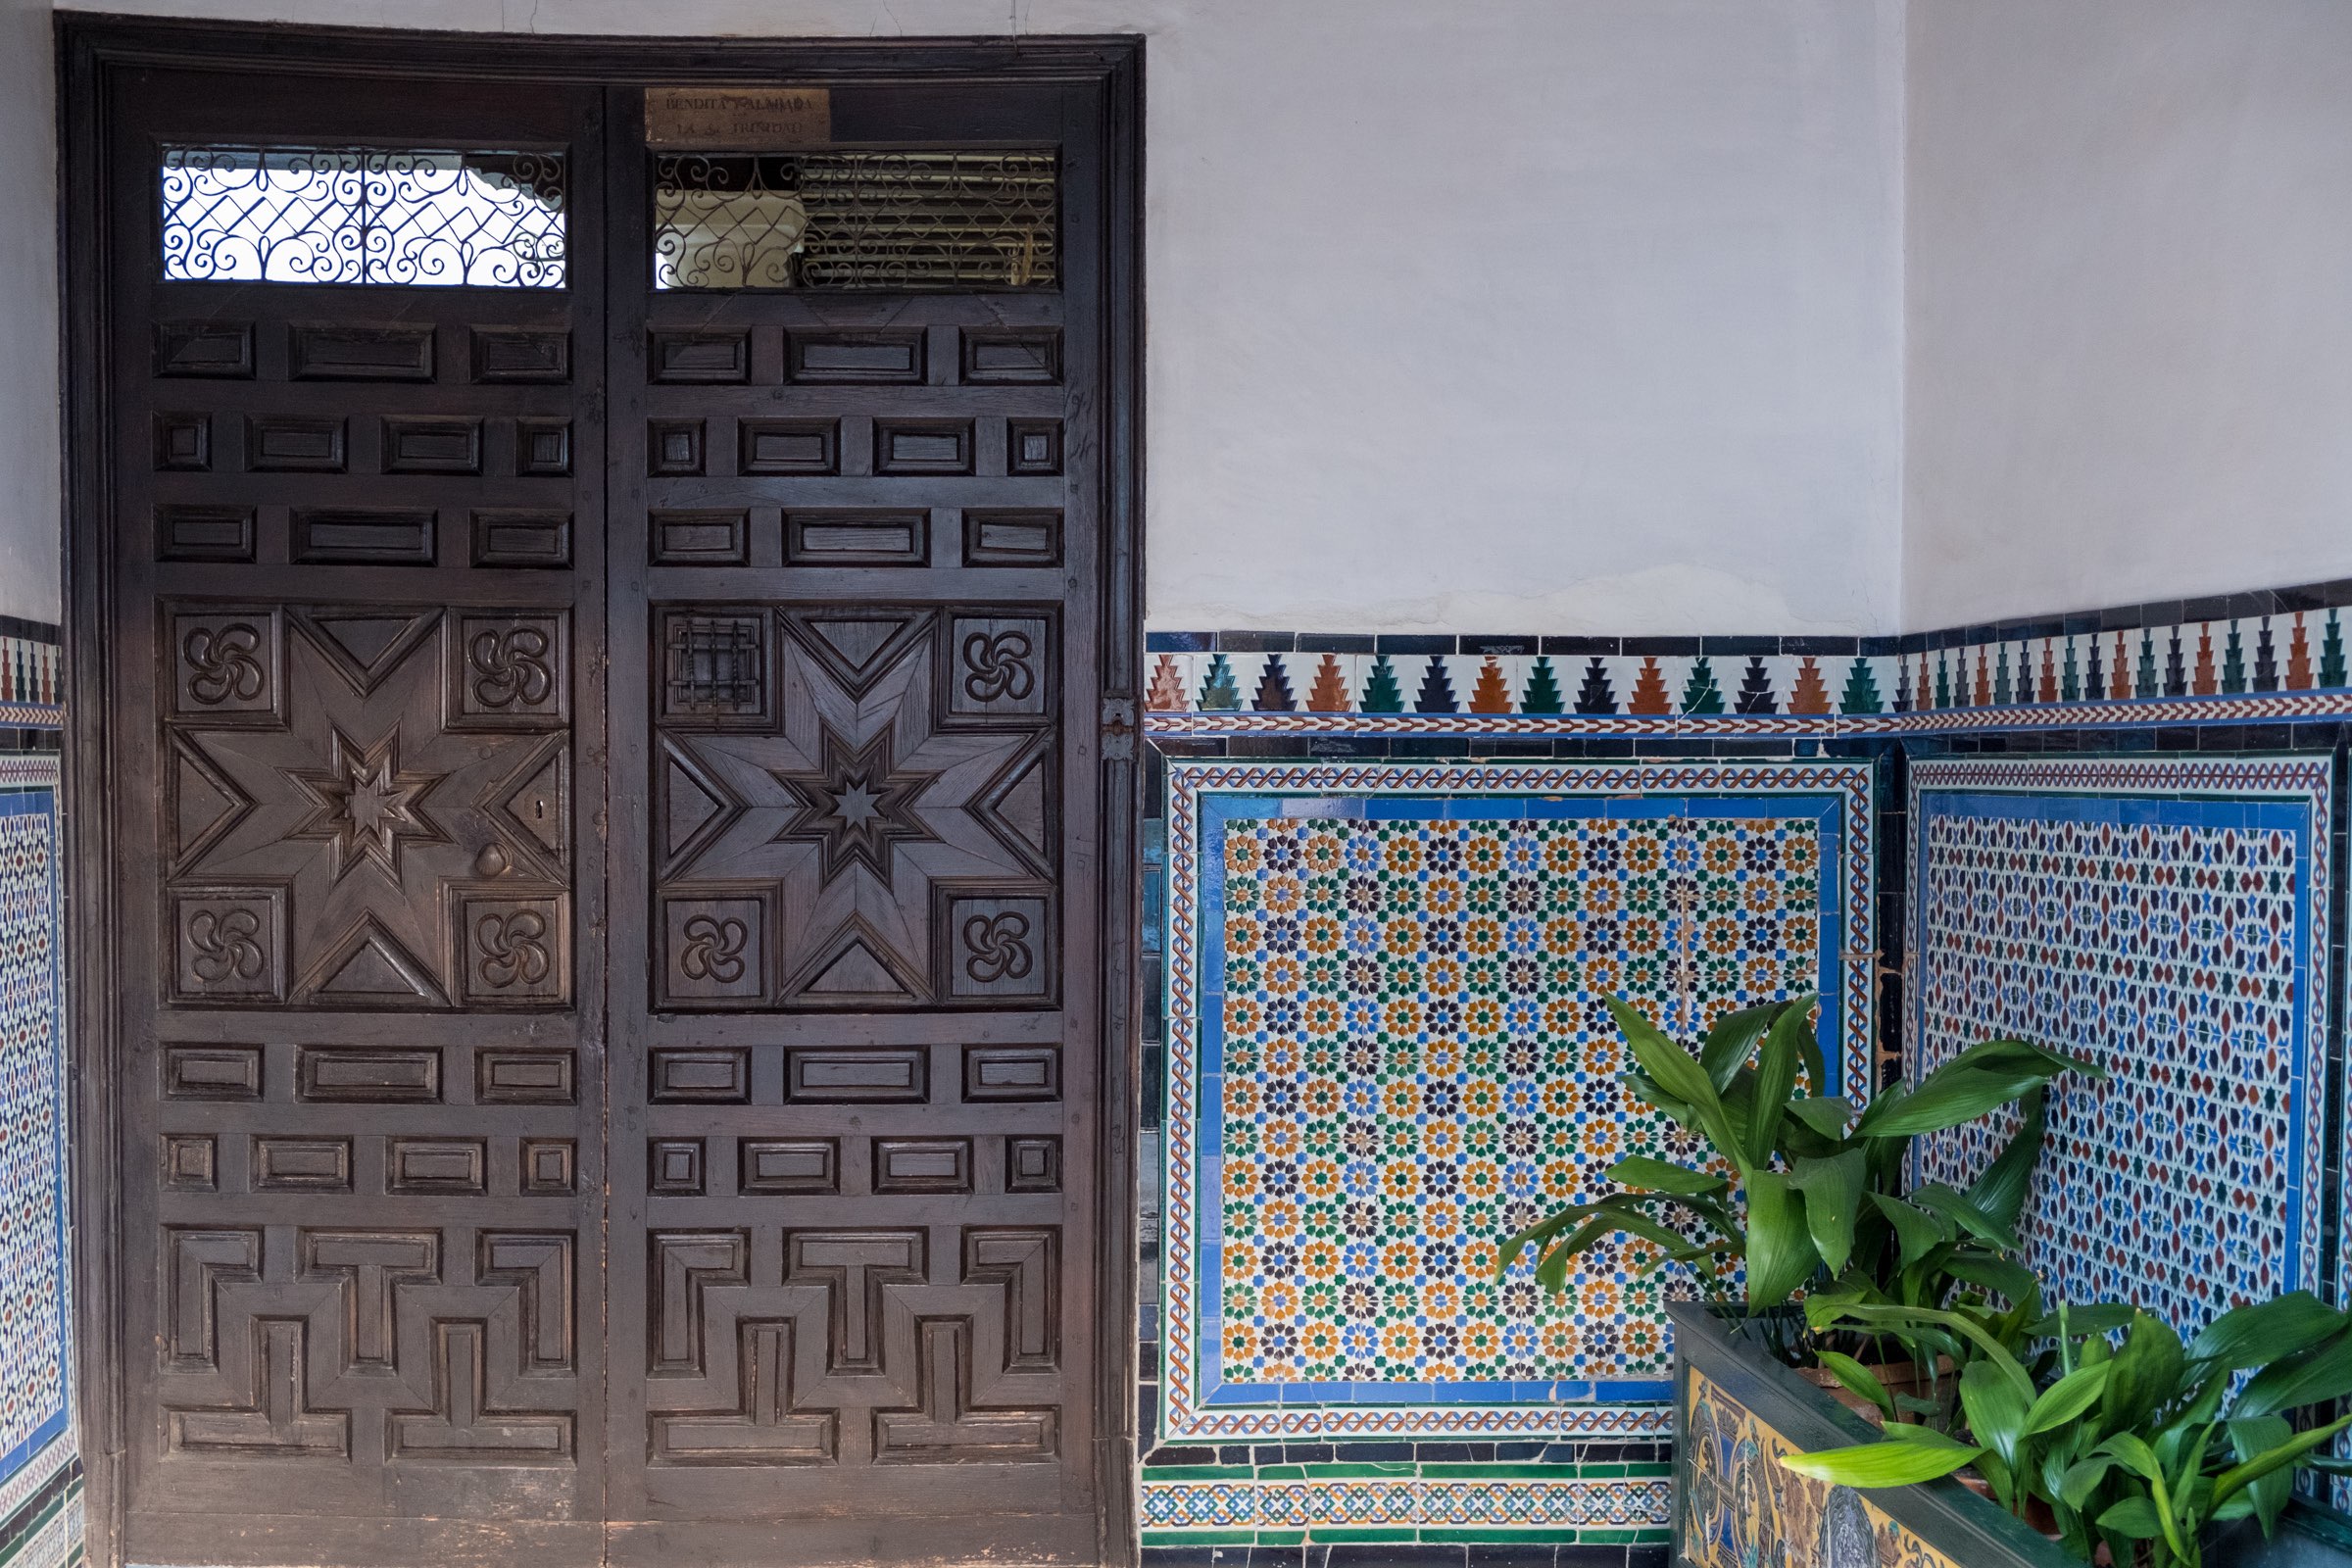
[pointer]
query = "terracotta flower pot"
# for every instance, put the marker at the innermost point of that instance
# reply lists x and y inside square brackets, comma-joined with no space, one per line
[2038,1514]
[1897,1378]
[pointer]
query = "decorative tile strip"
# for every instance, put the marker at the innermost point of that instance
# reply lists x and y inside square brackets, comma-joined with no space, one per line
[2032,674]
[1555,1500]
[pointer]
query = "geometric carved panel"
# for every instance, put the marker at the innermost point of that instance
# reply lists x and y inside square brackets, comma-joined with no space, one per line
[373,1341]
[369,806]
[870,824]
[853,1348]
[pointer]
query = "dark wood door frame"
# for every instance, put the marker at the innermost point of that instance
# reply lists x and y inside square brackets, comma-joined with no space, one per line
[93,51]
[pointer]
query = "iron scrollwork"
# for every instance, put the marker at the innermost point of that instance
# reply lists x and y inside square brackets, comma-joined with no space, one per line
[328,215]
[855,221]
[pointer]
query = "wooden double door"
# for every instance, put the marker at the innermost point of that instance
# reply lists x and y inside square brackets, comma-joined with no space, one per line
[602,784]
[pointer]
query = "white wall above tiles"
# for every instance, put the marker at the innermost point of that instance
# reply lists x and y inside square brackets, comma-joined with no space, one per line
[2130,309]
[1543,315]
[31,460]
[1563,316]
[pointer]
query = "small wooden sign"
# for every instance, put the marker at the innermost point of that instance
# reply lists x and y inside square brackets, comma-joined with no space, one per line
[739,119]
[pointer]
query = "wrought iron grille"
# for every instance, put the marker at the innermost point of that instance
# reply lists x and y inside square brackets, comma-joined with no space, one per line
[855,221]
[718,666]
[340,215]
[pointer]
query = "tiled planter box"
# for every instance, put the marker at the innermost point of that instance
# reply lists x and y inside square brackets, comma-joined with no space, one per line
[1735,1505]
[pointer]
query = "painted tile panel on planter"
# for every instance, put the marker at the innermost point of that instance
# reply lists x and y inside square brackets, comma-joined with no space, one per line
[2167,920]
[1386,1050]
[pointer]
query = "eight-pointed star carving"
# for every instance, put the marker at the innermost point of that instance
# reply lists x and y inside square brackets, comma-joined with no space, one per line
[366,807]
[856,805]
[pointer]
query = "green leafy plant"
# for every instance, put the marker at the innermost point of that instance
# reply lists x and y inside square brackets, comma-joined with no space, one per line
[2140,1447]
[1821,1177]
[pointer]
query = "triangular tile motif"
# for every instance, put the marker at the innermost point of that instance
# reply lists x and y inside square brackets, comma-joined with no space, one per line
[1165,694]
[1329,694]
[366,645]
[1016,806]
[857,650]
[204,805]
[858,966]
[691,806]
[368,967]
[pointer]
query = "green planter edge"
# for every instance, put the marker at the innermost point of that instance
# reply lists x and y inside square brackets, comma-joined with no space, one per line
[1944,1515]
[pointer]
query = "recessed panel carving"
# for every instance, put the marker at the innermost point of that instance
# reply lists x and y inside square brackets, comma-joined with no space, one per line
[211,1072]
[673,1167]
[855,359]
[203,533]
[714,949]
[701,538]
[673,447]
[922,1164]
[547,1166]
[806,1166]
[871,1074]
[522,1077]
[1011,1073]
[368,1074]
[301,1164]
[364,537]
[1011,538]
[700,356]
[788,446]
[515,952]
[521,354]
[230,945]
[512,537]
[184,442]
[425,1165]
[838,538]
[226,666]
[1012,355]
[206,349]
[362,354]
[190,1162]
[542,449]
[417,443]
[923,446]
[513,672]
[1032,1163]
[721,1076]
[1033,447]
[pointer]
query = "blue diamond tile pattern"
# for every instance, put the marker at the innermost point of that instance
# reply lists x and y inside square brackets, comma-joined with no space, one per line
[2168,920]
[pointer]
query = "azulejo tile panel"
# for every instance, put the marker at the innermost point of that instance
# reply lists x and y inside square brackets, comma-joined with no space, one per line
[35,1400]
[1387,1050]
[1742,1506]
[2167,920]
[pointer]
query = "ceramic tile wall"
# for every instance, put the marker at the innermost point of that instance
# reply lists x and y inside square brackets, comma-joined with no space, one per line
[40,1490]
[1384,1050]
[2167,920]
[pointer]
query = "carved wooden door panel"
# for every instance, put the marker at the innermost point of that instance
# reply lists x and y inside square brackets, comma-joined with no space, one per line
[355,553]
[856,1086]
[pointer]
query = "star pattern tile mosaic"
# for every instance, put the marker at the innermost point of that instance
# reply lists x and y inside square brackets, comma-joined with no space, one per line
[35,1439]
[2168,921]
[1403,1057]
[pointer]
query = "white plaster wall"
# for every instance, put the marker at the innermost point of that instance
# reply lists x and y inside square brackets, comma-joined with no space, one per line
[31,460]
[1505,316]
[2129,302]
